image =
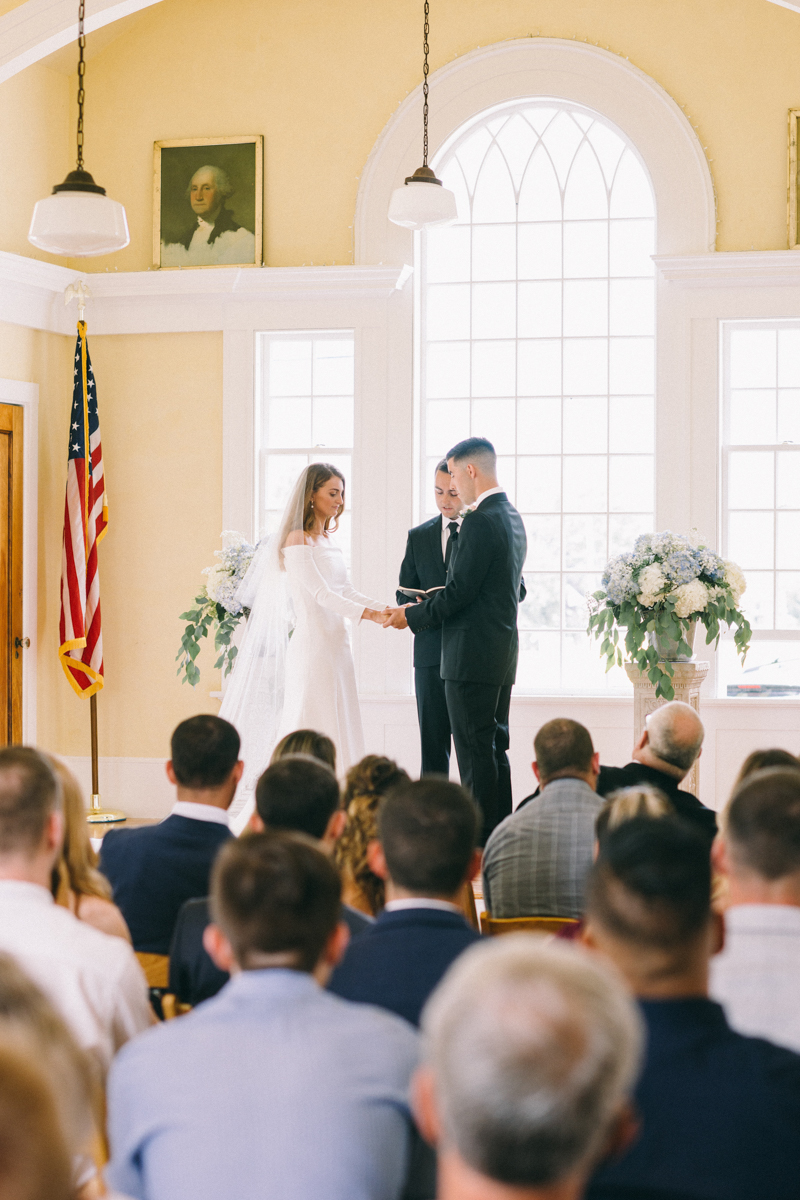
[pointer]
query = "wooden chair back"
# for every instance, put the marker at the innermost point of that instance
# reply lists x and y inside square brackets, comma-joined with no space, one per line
[172,1007]
[468,905]
[496,926]
[156,969]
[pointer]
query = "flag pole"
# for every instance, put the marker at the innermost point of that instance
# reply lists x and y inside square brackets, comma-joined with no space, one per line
[97,815]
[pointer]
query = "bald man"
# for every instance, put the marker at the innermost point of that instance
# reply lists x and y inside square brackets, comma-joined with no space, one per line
[671,742]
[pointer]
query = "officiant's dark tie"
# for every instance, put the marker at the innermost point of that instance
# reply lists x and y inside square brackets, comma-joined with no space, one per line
[452,529]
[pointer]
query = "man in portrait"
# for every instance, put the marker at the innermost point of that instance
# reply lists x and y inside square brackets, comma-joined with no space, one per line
[214,237]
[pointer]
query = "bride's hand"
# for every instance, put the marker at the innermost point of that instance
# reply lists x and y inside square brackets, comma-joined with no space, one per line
[372,614]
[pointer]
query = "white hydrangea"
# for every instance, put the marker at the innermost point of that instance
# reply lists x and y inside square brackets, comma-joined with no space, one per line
[652,583]
[735,580]
[690,598]
[216,577]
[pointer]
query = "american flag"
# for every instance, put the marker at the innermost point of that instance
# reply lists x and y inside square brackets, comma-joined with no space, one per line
[85,521]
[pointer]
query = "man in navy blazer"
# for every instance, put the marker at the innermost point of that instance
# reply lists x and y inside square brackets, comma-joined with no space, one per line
[429,548]
[153,870]
[426,854]
[719,1112]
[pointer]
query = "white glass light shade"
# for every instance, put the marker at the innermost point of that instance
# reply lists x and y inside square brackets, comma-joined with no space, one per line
[79,224]
[422,205]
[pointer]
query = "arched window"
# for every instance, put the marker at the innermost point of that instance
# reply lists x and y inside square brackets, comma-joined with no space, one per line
[537,331]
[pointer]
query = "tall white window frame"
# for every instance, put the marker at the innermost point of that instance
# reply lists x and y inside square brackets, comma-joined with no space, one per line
[537,324]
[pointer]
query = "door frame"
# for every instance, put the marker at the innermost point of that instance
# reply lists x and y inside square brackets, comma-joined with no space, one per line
[26,395]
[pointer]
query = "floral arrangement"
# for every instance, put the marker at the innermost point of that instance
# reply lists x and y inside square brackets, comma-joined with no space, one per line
[217,608]
[661,589]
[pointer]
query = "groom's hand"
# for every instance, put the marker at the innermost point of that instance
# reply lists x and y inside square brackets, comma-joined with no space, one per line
[396,618]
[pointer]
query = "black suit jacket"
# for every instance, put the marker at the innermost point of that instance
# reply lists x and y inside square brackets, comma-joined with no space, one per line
[423,567]
[685,804]
[153,870]
[478,608]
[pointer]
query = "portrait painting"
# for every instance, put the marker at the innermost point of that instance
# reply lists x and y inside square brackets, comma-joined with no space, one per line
[207,202]
[794,224]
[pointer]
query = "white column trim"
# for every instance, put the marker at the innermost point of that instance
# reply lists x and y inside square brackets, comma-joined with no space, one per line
[27,396]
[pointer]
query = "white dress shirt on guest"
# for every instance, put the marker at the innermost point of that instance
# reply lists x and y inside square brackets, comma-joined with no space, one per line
[200,812]
[756,977]
[92,978]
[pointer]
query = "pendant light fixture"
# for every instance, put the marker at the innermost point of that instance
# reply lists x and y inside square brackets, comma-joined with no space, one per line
[422,202]
[79,219]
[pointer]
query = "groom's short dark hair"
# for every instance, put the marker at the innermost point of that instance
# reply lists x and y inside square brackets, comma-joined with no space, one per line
[473,448]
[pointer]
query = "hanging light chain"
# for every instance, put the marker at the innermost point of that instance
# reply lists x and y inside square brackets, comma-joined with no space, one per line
[426,31]
[81,74]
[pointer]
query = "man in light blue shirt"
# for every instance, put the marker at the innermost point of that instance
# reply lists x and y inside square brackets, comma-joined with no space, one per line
[274,1088]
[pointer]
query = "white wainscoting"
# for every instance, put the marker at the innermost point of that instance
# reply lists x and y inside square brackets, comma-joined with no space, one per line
[734,728]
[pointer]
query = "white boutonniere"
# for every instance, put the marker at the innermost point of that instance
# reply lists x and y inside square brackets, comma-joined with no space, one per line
[466,511]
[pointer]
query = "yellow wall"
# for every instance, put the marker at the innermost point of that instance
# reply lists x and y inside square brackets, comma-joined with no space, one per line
[34,124]
[161,423]
[320,79]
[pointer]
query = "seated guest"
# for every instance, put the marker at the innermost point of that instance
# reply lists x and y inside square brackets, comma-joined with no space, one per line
[664,755]
[306,741]
[759,760]
[531,1052]
[426,854]
[537,860]
[366,782]
[720,1112]
[297,794]
[92,979]
[756,977]
[627,803]
[77,883]
[153,870]
[275,1086]
[34,1158]
[30,1025]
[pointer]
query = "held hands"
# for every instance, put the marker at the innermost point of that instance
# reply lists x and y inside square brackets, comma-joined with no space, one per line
[395,618]
[372,614]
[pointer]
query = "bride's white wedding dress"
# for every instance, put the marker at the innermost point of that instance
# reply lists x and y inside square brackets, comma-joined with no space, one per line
[321,688]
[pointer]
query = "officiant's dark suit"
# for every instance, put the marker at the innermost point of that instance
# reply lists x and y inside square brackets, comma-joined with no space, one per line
[423,567]
[477,611]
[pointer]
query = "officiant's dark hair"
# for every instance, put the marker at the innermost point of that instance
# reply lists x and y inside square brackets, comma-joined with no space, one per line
[428,830]
[204,751]
[275,893]
[297,793]
[473,448]
[317,475]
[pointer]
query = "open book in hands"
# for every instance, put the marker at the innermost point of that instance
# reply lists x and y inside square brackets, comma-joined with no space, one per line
[420,593]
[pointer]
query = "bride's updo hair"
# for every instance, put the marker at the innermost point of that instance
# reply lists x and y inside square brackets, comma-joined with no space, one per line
[316,475]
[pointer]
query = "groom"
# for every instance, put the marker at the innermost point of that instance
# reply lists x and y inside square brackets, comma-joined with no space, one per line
[477,610]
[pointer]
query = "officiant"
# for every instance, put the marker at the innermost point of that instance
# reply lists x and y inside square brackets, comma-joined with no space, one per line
[429,549]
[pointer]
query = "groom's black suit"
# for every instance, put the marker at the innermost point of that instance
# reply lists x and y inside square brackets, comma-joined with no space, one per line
[477,611]
[423,567]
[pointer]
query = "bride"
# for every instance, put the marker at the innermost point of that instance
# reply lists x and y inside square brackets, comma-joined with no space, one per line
[294,669]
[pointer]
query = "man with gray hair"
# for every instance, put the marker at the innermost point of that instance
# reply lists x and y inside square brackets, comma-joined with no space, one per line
[665,753]
[530,1055]
[215,237]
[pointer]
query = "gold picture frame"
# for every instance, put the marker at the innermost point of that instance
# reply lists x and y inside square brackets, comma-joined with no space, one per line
[794,224]
[208,202]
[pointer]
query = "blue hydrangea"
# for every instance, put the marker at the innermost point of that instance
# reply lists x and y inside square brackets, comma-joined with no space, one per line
[682,566]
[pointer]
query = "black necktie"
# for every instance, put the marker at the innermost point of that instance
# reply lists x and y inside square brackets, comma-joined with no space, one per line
[451,541]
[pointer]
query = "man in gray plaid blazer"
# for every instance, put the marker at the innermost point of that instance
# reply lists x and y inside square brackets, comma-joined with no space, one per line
[537,860]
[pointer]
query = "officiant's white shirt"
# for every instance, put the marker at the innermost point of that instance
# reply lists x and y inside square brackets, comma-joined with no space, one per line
[495,491]
[446,532]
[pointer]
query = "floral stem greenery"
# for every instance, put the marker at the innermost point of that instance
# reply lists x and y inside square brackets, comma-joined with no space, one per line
[666,584]
[216,608]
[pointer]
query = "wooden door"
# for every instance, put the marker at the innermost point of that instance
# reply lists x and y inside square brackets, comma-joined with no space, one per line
[12,638]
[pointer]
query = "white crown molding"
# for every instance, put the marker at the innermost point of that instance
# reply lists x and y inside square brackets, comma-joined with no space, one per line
[544,67]
[32,294]
[746,268]
[40,27]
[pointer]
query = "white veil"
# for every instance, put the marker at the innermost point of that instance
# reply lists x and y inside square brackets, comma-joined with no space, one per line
[253,701]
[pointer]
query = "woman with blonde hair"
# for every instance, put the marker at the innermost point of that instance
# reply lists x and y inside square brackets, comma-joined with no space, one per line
[366,783]
[641,800]
[306,741]
[77,884]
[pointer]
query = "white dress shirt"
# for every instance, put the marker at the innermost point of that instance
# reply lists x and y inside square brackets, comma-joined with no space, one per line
[422,902]
[495,491]
[446,532]
[92,978]
[199,812]
[756,977]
